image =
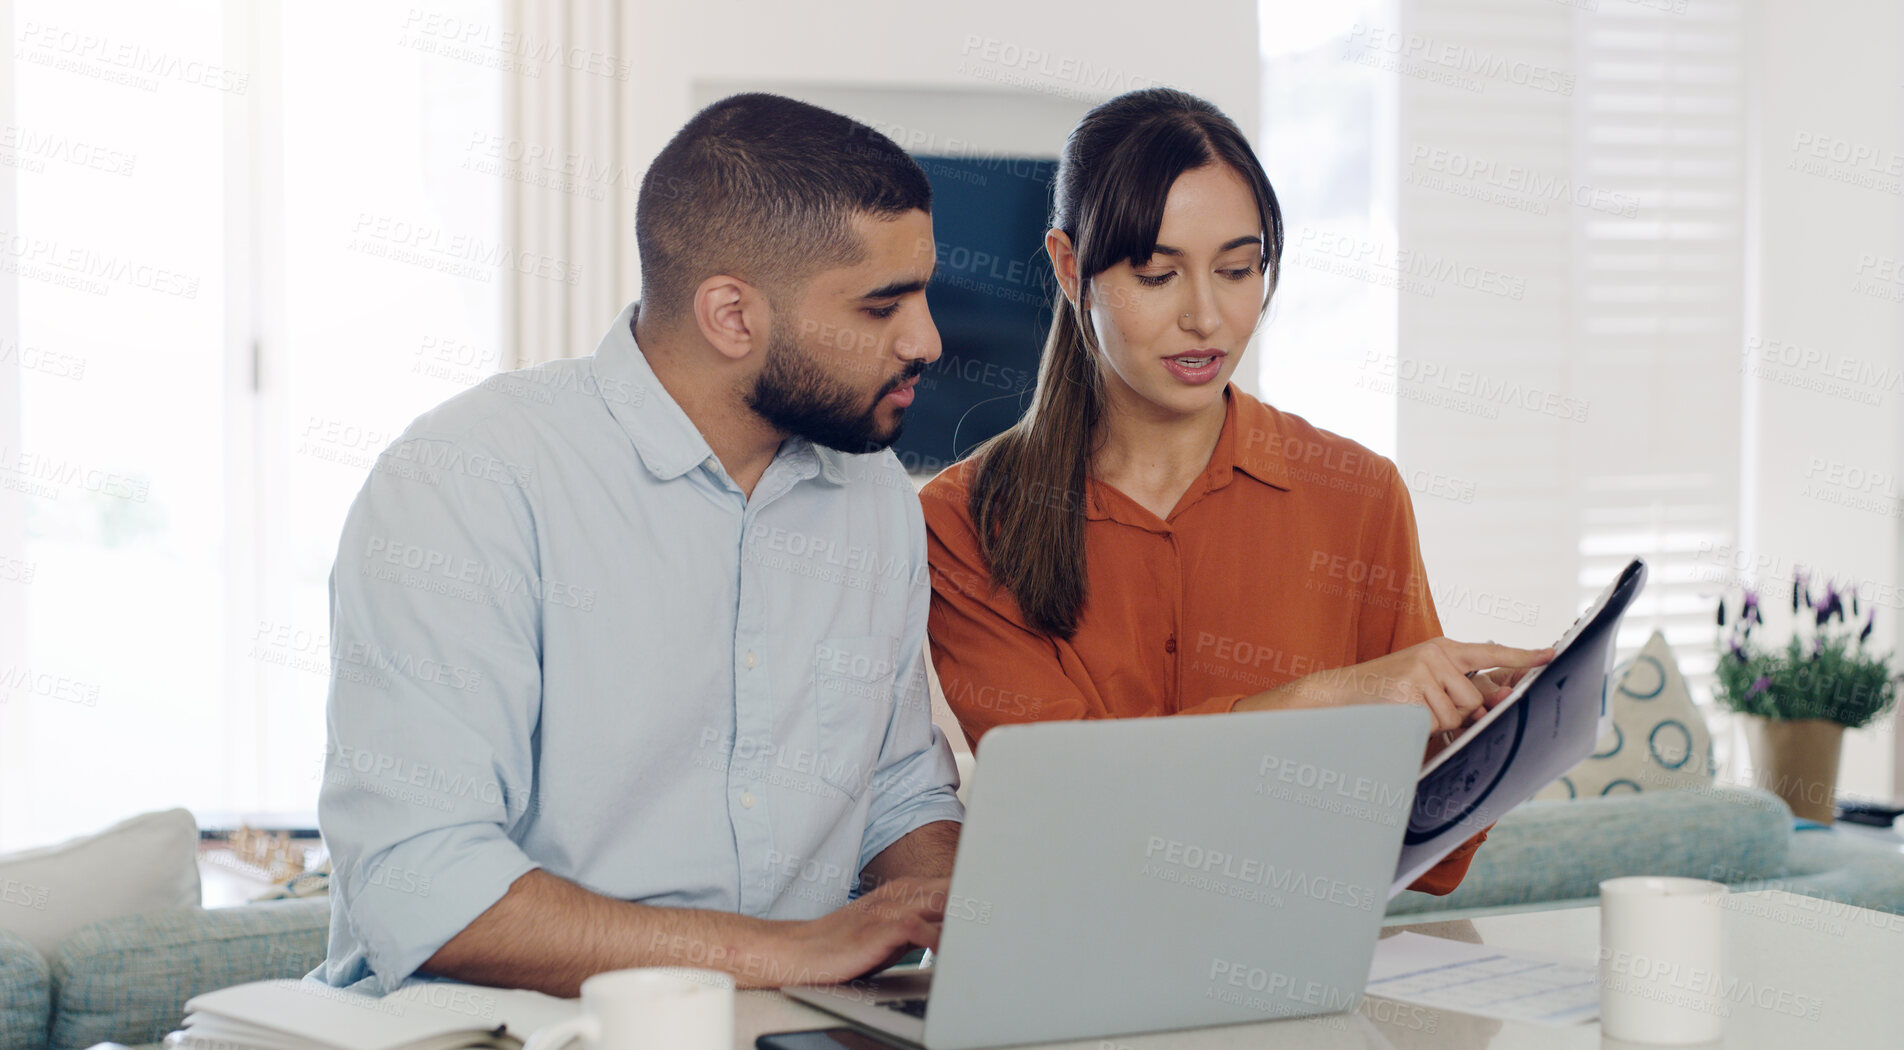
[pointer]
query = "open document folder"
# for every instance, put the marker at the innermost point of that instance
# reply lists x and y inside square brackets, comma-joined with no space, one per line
[1545,727]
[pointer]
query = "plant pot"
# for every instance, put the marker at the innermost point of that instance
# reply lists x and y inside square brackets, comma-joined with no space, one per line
[1797,760]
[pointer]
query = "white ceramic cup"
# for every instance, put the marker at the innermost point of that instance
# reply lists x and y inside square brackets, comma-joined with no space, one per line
[653,1008]
[1662,951]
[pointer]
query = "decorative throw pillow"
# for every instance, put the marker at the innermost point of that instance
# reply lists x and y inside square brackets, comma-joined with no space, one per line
[144,864]
[1659,739]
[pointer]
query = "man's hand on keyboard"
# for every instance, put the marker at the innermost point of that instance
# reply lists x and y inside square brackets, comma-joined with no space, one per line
[866,935]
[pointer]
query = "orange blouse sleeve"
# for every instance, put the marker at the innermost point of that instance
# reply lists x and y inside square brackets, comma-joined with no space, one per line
[1385,627]
[1408,618]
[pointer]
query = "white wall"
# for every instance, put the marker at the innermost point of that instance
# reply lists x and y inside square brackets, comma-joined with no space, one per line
[1822,482]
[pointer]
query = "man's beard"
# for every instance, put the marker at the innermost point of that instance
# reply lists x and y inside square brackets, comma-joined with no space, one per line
[796,395]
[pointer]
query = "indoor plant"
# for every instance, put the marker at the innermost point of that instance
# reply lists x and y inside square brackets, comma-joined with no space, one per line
[1799,698]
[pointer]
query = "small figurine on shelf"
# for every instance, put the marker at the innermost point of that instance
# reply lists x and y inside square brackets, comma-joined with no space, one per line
[274,852]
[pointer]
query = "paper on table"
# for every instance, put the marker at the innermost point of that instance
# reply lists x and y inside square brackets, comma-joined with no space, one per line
[1480,979]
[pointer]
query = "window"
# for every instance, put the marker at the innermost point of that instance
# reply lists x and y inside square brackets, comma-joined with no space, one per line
[1327,145]
[1517,240]
[252,243]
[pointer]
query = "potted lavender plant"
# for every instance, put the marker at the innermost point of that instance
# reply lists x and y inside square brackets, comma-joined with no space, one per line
[1799,698]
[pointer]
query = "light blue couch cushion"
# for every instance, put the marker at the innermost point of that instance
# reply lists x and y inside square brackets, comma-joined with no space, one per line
[126,980]
[1841,866]
[1559,851]
[26,995]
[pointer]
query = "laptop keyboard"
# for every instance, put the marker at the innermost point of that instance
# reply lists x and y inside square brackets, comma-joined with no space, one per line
[910,1007]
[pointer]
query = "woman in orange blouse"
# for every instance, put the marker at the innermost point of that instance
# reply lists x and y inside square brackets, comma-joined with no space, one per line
[1149,540]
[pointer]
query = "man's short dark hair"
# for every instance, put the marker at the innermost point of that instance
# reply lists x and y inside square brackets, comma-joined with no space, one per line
[763,188]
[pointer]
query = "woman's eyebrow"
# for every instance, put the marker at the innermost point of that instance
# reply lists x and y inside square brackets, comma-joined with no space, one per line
[1234,242]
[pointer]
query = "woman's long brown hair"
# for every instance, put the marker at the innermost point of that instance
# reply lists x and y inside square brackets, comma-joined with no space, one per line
[1028,491]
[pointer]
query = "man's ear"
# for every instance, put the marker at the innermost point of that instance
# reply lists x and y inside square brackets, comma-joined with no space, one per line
[733,316]
[1064,262]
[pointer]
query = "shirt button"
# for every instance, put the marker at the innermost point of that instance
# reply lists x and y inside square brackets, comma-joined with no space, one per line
[752,660]
[1170,644]
[747,800]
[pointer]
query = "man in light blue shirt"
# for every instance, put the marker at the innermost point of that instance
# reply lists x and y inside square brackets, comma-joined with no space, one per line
[628,649]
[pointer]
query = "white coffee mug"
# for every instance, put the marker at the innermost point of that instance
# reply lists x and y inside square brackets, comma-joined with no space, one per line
[653,1008]
[1662,953]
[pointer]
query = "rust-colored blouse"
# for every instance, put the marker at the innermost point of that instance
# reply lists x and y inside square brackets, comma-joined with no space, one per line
[1293,552]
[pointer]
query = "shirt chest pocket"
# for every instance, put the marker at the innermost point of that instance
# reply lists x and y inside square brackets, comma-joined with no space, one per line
[853,698]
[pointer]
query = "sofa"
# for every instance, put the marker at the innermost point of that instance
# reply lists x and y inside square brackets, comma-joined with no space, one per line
[127,979]
[1554,853]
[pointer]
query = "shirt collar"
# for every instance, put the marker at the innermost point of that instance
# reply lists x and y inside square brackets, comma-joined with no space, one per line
[667,441]
[1256,440]
[1252,441]
[832,462]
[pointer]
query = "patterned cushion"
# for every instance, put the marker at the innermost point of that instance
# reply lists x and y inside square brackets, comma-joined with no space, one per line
[25,995]
[126,980]
[1659,739]
[1557,851]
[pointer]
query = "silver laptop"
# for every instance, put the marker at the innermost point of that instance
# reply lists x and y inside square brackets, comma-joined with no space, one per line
[1148,874]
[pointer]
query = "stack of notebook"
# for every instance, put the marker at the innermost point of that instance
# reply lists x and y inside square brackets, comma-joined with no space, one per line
[306,1015]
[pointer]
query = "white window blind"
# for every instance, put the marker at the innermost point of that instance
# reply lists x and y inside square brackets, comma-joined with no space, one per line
[1663,137]
[1571,201]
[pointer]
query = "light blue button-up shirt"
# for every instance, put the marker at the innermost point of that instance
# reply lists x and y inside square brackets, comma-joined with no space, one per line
[562,637]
